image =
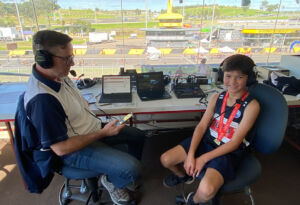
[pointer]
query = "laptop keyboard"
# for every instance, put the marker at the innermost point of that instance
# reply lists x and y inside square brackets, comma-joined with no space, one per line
[117,98]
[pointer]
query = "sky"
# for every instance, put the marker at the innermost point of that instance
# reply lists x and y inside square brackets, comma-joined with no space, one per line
[157,5]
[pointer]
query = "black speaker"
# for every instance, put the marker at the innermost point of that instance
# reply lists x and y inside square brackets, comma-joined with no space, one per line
[44,59]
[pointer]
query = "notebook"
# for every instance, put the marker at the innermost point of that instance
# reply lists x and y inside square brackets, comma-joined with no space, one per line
[150,86]
[116,89]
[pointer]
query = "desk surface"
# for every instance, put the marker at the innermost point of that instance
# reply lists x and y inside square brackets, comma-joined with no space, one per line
[9,93]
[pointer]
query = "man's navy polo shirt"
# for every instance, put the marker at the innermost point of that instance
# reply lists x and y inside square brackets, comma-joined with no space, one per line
[57,110]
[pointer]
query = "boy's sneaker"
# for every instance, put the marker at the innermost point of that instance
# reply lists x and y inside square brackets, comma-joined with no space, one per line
[172,180]
[118,196]
[190,200]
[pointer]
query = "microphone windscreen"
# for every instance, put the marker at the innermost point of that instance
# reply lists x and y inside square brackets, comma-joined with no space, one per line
[73,73]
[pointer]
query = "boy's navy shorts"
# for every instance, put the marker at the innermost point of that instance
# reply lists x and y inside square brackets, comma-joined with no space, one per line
[225,164]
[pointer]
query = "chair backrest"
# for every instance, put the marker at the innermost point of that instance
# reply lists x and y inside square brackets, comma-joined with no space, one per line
[34,165]
[272,120]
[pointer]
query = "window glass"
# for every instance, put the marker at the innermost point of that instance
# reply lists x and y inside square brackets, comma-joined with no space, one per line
[157,35]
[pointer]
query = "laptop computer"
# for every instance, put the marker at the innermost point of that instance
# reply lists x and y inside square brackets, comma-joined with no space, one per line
[132,73]
[116,89]
[150,86]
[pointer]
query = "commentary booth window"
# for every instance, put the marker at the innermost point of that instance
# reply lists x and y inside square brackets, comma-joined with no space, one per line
[189,36]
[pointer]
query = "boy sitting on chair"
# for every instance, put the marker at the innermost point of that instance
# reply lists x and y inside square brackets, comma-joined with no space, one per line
[220,139]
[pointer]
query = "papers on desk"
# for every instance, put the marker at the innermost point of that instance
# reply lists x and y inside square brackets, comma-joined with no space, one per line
[89,97]
[117,105]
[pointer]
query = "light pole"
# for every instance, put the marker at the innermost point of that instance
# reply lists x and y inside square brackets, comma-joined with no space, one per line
[212,22]
[146,5]
[181,1]
[36,20]
[20,23]
[96,15]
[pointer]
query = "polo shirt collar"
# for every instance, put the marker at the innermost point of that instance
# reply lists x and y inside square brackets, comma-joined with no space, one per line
[50,83]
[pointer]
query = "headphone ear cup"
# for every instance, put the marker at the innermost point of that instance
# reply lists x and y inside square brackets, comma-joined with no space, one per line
[189,79]
[251,78]
[44,59]
[167,79]
[80,84]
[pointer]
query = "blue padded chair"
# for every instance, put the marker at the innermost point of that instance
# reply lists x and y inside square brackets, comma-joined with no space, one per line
[89,190]
[270,130]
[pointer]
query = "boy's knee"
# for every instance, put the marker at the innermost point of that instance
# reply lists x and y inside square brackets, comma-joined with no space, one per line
[206,192]
[165,160]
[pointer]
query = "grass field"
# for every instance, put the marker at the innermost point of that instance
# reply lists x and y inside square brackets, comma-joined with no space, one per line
[62,19]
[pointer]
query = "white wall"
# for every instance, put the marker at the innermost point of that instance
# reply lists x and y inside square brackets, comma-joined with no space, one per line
[292,63]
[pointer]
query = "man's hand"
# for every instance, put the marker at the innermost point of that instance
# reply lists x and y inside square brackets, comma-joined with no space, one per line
[189,165]
[78,142]
[110,129]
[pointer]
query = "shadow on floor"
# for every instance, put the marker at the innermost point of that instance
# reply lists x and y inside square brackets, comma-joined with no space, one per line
[279,184]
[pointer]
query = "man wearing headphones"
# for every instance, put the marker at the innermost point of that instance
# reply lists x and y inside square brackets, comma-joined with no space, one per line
[65,125]
[221,138]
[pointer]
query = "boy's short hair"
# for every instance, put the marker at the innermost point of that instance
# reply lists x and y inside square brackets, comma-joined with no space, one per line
[48,39]
[238,62]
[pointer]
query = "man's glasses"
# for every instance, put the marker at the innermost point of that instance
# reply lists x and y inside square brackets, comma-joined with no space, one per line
[67,59]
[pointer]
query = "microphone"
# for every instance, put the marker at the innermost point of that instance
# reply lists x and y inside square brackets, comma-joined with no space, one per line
[73,73]
[80,76]
[78,79]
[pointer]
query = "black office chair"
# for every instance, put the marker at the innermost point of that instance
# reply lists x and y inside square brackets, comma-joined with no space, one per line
[270,130]
[87,191]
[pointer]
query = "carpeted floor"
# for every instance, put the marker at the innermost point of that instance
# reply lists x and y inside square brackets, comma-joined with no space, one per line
[279,183]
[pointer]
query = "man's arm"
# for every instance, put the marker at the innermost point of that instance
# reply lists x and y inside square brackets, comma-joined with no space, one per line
[48,117]
[79,142]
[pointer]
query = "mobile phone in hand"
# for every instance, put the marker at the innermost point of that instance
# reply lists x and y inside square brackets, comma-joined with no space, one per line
[125,119]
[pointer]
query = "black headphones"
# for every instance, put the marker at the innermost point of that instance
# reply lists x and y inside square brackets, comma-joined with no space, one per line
[44,59]
[190,78]
[85,83]
[251,76]
[167,79]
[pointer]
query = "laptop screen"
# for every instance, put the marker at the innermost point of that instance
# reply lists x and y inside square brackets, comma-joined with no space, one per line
[150,83]
[116,84]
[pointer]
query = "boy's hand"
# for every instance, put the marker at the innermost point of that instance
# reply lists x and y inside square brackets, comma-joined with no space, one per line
[200,162]
[189,165]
